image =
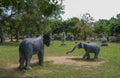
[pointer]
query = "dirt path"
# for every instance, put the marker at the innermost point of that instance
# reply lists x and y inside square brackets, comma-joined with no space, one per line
[67,60]
[59,60]
[72,60]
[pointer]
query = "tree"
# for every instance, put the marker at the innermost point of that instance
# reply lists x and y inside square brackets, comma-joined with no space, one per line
[67,25]
[114,26]
[73,24]
[56,26]
[87,25]
[102,27]
[116,29]
[37,15]
[30,15]
[8,8]
[109,27]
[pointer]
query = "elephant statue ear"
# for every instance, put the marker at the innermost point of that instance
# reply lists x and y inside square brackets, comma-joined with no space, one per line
[46,36]
[82,44]
[46,39]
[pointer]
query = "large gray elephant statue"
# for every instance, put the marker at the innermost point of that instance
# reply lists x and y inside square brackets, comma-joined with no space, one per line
[30,46]
[89,48]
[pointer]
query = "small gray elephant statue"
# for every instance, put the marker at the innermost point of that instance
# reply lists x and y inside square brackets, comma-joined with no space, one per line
[89,48]
[30,46]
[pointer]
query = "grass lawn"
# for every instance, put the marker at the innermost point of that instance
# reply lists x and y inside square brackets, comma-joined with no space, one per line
[110,55]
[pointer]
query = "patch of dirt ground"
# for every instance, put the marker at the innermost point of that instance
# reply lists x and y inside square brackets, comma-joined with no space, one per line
[73,60]
[59,60]
[66,60]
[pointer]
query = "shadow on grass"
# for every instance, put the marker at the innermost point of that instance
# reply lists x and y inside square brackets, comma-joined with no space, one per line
[11,73]
[86,60]
[15,72]
[46,64]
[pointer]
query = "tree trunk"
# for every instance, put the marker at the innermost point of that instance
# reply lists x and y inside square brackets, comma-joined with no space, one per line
[11,34]
[2,37]
[85,36]
[17,37]
[11,37]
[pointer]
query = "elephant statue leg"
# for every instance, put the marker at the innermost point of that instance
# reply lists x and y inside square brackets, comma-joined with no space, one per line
[96,56]
[84,56]
[41,58]
[28,58]
[88,56]
[21,60]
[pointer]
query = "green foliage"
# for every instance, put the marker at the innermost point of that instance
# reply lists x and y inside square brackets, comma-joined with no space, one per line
[28,16]
[73,24]
[5,4]
[67,25]
[116,29]
[36,15]
[110,27]
[115,26]
[87,25]
[48,7]
[56,26]
[102,27]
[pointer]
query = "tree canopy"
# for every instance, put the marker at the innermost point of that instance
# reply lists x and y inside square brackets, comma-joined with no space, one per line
[28,16]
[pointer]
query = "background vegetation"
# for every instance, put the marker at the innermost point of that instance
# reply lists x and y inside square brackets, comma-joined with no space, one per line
[28,18]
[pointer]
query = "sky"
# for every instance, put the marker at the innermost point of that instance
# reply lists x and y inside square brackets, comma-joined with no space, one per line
[98,9]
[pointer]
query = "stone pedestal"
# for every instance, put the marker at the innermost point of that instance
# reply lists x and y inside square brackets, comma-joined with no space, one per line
[51,38]
[63,39]
[72,37]
[104,41]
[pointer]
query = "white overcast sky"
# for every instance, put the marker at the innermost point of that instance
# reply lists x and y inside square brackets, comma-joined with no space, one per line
[99,9]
